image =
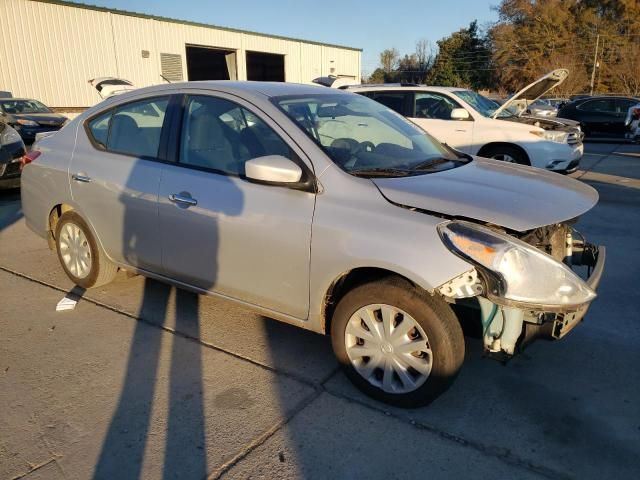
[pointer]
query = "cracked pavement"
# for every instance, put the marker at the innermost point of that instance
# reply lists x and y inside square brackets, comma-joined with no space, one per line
[145,381]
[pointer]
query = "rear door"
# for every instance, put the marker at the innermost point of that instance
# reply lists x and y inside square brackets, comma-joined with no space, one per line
[114,176]
[432,112]
[219,231]
[599,115]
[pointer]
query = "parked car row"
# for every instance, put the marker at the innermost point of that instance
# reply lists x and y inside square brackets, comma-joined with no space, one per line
[329,211]
[29,117]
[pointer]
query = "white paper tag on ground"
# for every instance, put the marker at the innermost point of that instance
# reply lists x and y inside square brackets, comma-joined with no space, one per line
[66,304]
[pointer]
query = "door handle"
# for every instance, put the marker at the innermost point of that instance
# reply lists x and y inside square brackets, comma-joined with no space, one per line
[81,178]
[177,198]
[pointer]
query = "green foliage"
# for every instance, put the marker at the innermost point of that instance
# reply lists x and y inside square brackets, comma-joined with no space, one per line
[531,38]
[463,60]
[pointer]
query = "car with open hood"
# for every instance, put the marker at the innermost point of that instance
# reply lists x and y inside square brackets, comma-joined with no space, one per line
[323,209]
[473,124]
[30,117]
[108,86]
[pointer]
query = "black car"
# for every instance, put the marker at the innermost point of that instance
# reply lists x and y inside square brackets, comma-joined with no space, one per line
[599,115]
[29,117]
[11,152]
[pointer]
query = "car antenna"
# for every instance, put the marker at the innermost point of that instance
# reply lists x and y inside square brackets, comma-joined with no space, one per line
[165,78]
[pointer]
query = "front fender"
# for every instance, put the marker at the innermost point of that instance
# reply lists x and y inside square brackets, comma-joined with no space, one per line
[362,229]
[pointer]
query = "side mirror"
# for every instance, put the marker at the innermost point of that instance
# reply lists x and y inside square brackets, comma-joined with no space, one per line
[459,114]
[273,169]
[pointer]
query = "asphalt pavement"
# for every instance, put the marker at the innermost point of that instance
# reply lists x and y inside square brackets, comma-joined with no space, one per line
[145,381]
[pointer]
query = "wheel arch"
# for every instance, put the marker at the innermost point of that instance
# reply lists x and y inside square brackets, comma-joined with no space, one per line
[349,280]
[54,215]
[490,145]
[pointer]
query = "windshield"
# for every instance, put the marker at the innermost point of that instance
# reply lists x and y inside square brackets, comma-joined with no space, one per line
[485,106]
[366,138]
[23,106]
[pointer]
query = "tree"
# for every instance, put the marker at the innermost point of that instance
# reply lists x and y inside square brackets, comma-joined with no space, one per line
[533,37]
[389,59]
[463,60]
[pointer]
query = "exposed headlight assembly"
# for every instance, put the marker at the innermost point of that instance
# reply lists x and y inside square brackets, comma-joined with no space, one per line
[9,136]
[517,274]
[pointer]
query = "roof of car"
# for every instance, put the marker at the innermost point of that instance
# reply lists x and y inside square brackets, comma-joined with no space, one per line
[396,86]
[268,89]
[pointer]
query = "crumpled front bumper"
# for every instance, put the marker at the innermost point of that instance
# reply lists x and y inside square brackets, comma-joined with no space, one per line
[507,330]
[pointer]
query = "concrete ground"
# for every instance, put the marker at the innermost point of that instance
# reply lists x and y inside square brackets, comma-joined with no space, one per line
[143,381]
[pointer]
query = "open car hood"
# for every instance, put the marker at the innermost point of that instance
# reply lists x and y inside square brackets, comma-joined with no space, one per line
[512,196]
[108,86]
[535,90]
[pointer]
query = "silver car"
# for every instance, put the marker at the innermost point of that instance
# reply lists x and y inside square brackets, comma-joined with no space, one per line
[323,209]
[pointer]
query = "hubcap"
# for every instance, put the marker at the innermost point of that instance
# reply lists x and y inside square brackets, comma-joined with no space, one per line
[388,348]
[505,157]
[75,250]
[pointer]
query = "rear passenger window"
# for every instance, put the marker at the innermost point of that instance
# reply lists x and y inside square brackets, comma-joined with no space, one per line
[220,135]
[135,128]
[600,105]
[396,101]
[99,128]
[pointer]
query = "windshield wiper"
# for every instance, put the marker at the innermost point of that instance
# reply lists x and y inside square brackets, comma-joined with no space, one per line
[381,172]
[431,163]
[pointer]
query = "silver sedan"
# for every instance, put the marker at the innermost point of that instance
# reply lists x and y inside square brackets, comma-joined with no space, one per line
[323,209]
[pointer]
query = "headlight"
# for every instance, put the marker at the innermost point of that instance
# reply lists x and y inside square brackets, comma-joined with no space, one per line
[27,123]
[518,274]
[552,136]
[9,136]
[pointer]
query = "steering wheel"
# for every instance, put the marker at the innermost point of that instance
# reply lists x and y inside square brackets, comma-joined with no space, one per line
[365,146]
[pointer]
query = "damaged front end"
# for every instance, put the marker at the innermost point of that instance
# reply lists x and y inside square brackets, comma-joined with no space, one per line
[524,285]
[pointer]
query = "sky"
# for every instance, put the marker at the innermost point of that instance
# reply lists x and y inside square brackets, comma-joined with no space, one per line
[372,25]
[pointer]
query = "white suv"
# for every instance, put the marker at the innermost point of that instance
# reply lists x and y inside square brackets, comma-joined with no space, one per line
[473,124]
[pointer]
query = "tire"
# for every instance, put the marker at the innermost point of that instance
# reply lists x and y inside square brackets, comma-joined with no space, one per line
[440,358]
[74,239]
[501,152]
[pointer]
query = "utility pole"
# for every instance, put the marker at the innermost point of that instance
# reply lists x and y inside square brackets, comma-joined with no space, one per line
[595,63]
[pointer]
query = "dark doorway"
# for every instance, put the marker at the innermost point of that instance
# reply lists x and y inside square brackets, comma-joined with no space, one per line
[204,63]
[266,67]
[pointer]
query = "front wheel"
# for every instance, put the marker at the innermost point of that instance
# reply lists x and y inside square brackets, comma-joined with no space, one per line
[396,343]
[506,153]
[80,256]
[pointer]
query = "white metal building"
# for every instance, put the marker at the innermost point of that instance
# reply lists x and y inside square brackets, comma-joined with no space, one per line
[49,49]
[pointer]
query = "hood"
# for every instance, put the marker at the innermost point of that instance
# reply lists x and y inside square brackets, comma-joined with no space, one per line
[108,86]
[535,90]
[512,196]
[45,119]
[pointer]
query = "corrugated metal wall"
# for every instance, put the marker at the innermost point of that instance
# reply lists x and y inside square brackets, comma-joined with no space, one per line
[48,51]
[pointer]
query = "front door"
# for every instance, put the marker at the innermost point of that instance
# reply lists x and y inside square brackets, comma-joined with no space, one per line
[114,177]
[219,231]
[432,113]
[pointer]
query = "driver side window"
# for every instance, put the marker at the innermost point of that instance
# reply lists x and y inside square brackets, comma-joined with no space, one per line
[221,136]
[434,106]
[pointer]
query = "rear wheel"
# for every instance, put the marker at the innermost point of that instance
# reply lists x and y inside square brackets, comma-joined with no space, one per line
[506,153]
[396,343]
[80,256]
